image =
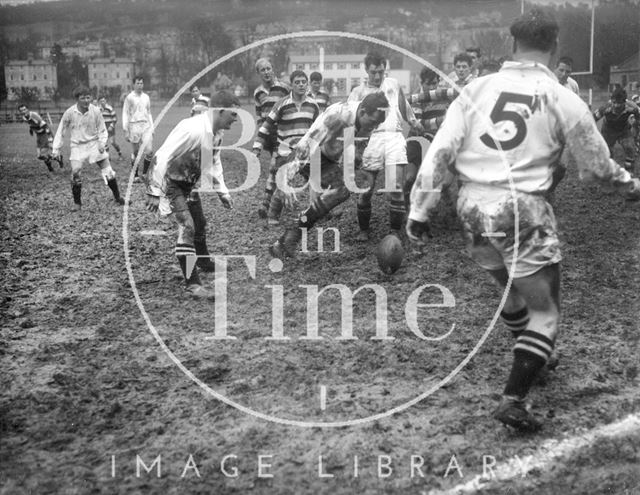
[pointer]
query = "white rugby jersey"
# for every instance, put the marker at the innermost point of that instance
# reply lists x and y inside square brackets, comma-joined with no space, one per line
[533,118]
[391,89]
[84,127]
[136,109]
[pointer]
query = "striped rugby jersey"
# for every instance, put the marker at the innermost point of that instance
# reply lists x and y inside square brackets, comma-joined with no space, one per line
[265,98]
[290,120]
[36,123]
[322,99]
[109,115]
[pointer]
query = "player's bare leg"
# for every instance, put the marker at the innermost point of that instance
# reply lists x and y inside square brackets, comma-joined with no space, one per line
[76,184]
[194,203]
[397,210]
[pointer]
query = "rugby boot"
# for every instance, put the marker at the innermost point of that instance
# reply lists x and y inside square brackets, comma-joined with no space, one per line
[513,411]
[287,245]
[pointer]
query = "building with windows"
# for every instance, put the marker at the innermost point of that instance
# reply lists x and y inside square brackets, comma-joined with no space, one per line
[39,76]
[626,73]
[346,71]
[111,73]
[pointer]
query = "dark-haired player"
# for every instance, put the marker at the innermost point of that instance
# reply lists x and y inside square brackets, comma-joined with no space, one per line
[39,127]
[327,134]
[532,118]
[178,167]
[137,123]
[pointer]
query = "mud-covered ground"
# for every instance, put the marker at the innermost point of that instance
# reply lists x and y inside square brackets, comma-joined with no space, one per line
[88,388]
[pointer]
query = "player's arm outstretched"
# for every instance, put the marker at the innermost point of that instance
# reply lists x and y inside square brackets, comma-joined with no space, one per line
[589,151]
[60,132]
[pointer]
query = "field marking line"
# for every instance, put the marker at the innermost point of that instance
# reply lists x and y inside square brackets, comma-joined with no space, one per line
[494,234]
[323,397]
[550,451]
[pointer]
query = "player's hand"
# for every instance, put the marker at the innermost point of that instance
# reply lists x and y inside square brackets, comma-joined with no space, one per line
[631,120]
[110,128]
[126,136]
[100,149]
[55,155]
[302,151]
[290,200]
[226,201]
[152,203]
[633,194]
[418,127]
[418,232]
[256,151]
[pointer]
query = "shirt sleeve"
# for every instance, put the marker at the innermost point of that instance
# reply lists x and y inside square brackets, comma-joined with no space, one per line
[125,114]
[62,128]
[103,135]
[436,166]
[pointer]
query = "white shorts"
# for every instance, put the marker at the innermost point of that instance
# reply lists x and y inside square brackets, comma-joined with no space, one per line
[490,210]
[87,153]
[138,132]
[384,149]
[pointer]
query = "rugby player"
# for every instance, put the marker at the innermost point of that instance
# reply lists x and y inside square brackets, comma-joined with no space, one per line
[88,138]
[265,96]
[621,118]
[177,170]
[315,91]
[563,70]
[110,120]
[290,118]
[199,102]
[386,147]
[327,134]
[533,119]
[137,124]
[39,127]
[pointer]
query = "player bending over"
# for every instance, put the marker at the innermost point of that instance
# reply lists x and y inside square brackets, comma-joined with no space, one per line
[88,138]
[327,133]
[177,169]
[523,109]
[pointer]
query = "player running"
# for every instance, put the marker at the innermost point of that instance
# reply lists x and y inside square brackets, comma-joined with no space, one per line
[621,119]
[177,169]
[110,120]
[533,119]
[137,124]
[88,138]
[265,96]
[39,127]
[327,134]
[290,118]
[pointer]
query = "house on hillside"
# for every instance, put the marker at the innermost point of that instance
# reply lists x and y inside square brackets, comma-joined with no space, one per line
[111,73]
[626,73]
[39,77]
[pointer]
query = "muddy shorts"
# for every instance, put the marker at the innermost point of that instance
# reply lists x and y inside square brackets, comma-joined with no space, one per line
[384,149]
[487,215]
[87,153]
[43,144]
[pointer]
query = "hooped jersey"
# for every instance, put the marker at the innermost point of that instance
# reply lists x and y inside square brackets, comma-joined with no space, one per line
[617,122]
[514,123]
[36,123]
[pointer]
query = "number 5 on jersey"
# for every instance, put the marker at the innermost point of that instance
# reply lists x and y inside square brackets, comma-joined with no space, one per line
[500,114]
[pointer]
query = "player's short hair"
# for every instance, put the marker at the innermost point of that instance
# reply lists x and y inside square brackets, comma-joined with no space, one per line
[374,58]
[490,66]
[224,99]
[537,29]
[194,86]
[262,60]
[373,102]
[297,73]
[475,50]
[136,77]
[315,76]
[102,97]
[618,94]
[463,57]
[565,60]
[428,75]
[22,105]
[81,91]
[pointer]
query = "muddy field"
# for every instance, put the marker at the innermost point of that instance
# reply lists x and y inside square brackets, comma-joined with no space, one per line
[90,389]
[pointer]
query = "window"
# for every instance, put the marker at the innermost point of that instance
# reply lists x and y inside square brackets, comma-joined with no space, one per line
[299,66]
[45,77]
[105,75]
[355,81]
[355,66]
[22,77]
[117,75]
[11,77]
[35,78]
[95,75]
[313,66]
[342,66]
[127,75]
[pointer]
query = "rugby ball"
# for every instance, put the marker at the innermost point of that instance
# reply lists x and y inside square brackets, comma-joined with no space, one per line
[389,253]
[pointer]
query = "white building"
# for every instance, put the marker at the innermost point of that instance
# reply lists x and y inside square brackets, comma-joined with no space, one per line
[110,73]
[40,74]
[346,71]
